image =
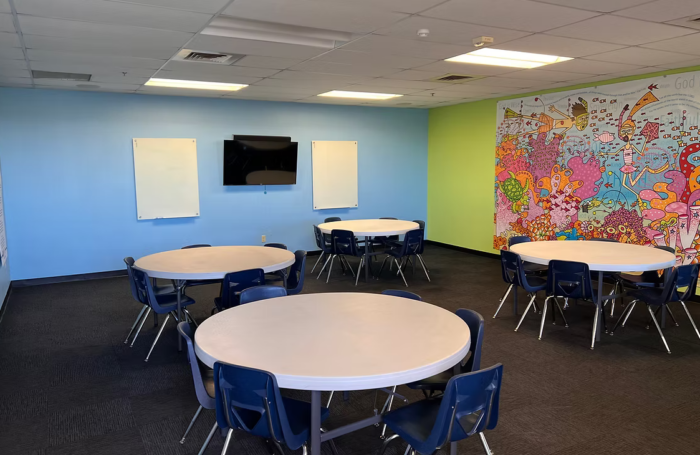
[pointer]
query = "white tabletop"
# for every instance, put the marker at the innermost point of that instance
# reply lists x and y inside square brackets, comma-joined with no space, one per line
[370,228]
[600,256]
[336,341]
[212,263]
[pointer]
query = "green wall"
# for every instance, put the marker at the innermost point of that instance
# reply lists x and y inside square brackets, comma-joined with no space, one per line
[461,160]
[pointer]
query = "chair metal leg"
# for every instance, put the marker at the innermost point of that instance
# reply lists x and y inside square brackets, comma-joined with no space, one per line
[404,278]
[330,267]
[189,427]
[612,306]
[228,441]
[359,268]
[382,267]
[634,302]
[670,313]
[206,442]
[318,260]
[653,318]
[330,398]
[162,326]
[143,321]
[453,448]
[189,316]
[503,300]
[388,408]
[623,317]
[424,268]
[324,266]
[532,300]
[386,442]
[598,310]
[691,318]
[304,449]
[138,318]
[544,316]
[487,449]
[561,312]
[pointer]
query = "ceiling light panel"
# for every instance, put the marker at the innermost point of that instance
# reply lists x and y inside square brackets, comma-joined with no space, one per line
[500,57]
[360,95]
[196,85]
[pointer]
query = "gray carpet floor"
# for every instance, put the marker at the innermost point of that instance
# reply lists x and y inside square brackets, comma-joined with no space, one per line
[68,384]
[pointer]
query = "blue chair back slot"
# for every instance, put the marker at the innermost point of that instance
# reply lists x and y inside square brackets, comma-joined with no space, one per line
[519,239]
[404,294]
[570,279]
[344,242]
[234,283]
[295,281]
[261,293]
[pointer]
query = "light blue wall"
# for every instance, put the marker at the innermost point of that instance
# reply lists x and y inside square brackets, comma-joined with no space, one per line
[4,269]
[69,174]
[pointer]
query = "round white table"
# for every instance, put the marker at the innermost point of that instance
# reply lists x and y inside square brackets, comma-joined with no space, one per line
[370,228]
[211,263]
[336,341]
[600,256]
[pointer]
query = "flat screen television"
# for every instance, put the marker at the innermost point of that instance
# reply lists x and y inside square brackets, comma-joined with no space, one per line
[260,160]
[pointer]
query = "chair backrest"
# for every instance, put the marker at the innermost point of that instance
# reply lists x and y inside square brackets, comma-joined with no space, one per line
[475,322]
[469,406]
[421,223]
[388,218]
[602,239]
[187,333]
[281,246]
[198,245]
[261,293]
[511,265]
[670,249]
[135,291]
[413,242]
[344,242]
[295,280]
[321,240]
[250,400]
[404,294]
[686,277]
[519,239]
[145,287]
[570,279]
[235,282]
[332,219]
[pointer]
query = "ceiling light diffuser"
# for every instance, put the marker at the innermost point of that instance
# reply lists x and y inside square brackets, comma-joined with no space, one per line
[198,85]
[360,95]
[499,57]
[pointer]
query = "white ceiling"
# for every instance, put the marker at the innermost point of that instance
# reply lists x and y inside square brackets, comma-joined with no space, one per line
[123,43]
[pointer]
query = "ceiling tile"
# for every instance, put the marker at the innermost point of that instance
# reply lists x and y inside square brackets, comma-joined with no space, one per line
[689,44]
[317,66]
[545,76]
[515,14]
[116,47]
[214,70]
[267,62]
[74,84]
[465,68]
[197,76]
[272,90]
[313,76]
[13,64]
[467,89]
[93,69]
[115,13]
[403,6]
[563,47]
[9,40]
[322,85]
[6,24]
[375,89]
[369,58]
[15,81]
[252,47]
[204,6]
[694,61]
[146,90]
[14,53]
[341,16]
[390,45]
[662,10]
[603,6]
[110,60]
[620,30]
[14,72]
[506,82]
[383,82]
[447,31]
[585,66]
[102,32]
[5,6]
[244,94]
[640,56]
[413,75]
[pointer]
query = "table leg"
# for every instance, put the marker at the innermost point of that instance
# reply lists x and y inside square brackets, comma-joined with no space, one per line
[315,437]
[179,312]
[367,259]
[599,306]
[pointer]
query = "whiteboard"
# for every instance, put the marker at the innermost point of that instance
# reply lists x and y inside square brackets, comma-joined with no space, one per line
[334,174]
[167,185]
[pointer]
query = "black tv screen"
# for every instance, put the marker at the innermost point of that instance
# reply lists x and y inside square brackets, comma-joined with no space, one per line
[260,162]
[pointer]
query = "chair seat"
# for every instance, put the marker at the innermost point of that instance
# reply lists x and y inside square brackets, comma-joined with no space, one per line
[652,296]
[202,282]
[169,302]
[414,422]
[639,280]
[208,380]
[537,282]
[167,289]
[298,415]
[437,382]
[530,267]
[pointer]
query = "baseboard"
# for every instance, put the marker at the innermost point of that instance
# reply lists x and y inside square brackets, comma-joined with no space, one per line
[68,278]
[462,249]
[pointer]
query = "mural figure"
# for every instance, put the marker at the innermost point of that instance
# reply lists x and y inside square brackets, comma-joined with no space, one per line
[578,118]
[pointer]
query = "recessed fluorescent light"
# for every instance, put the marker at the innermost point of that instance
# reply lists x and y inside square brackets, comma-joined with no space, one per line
[360,95]
[499,57]
[199,85]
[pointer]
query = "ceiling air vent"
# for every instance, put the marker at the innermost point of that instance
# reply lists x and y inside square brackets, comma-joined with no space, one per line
[61,76]
[455,78]
[188,55]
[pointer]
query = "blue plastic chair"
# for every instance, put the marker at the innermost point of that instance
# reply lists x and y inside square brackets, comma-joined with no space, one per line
[332,219]
[141,298]
[404,294]
[281,246]
[420,223]
[234,283]
[683,277]
[323,243]
[250,400]
[412,246]
[472,362]
[343,244]
[203,377]
[387,240]
[261,293]
[192,283]
[161,304]
[295,281]
[529,267]
[469,406]
[513,273]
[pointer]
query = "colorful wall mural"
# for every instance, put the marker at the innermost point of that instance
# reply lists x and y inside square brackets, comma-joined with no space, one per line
[620,161]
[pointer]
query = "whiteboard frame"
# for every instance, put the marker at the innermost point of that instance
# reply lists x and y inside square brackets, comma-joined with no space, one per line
[166,178]
[335,176]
